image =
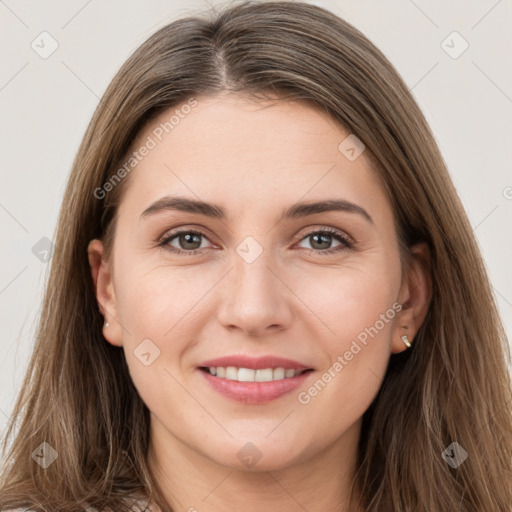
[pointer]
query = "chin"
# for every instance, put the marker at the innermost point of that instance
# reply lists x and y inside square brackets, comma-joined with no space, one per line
[256,457]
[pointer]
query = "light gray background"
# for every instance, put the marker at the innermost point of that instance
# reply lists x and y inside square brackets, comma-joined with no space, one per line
[46,104]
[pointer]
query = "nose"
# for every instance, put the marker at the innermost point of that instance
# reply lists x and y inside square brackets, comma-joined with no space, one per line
[256,299]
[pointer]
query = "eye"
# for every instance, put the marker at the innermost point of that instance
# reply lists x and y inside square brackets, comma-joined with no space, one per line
[189,242]
[321,240]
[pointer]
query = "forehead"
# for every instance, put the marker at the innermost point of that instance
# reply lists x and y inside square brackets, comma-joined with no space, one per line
[243,153]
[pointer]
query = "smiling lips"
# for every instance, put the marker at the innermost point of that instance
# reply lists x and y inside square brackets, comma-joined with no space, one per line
[254,380]
[250,375]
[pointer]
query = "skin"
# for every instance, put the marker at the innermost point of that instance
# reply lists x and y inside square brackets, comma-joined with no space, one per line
[289,302]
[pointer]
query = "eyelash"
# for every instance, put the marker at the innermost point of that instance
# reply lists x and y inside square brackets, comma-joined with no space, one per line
[344,239]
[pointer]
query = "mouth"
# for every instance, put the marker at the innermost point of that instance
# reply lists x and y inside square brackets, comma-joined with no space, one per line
[251,386]
[251,375]
[254,380]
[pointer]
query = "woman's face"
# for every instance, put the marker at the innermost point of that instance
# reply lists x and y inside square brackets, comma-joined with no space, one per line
[254,275]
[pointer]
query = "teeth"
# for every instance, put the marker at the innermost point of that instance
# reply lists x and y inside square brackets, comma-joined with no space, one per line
[279,373]
[265,375]
[231,373]
[249,375]
[246,375]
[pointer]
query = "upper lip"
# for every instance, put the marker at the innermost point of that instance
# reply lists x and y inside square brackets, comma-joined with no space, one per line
[255,363]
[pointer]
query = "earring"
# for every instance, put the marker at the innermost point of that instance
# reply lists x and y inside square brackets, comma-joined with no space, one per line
[106,324]
[405,339]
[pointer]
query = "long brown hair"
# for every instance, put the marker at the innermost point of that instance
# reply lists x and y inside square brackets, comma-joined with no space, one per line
[452,386]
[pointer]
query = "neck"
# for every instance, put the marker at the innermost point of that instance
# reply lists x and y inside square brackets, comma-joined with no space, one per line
[192,482]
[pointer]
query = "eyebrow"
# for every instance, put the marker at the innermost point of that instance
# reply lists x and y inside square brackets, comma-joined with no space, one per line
[295,211]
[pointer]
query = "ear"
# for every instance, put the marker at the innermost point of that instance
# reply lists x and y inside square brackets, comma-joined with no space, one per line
[104,289]
[415,295]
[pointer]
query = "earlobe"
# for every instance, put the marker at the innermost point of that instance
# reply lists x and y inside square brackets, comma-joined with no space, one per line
[415,297]
[104,290]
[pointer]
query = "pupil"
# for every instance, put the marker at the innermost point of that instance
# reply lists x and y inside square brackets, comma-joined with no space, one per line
[326,239]
[188,238]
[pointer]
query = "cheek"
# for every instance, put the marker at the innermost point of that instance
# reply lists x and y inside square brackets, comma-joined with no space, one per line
[348,300]
[356,311]
[155,307]
[163,311]
[154,298]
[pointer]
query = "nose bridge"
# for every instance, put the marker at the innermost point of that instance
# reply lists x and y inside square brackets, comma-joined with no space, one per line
[251,269]
[255,298]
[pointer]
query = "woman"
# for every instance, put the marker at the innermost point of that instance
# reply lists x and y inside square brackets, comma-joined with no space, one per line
[265,293]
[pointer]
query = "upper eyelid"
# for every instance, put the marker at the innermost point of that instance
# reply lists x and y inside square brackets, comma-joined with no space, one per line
[171,233]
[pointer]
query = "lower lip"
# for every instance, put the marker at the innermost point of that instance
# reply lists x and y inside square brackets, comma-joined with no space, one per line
[255,392]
